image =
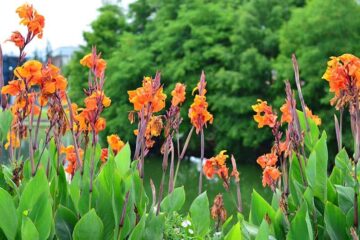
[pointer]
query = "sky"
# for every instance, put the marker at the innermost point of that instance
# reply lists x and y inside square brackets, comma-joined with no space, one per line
[65,21]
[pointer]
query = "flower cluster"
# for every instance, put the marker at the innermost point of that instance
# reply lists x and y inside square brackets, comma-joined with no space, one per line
[270,172]
[343,75]
[198,113]
[264,115]
[70,156]
[286,116]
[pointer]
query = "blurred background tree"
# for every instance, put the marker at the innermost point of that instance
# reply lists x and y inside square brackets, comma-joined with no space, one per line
[244,46]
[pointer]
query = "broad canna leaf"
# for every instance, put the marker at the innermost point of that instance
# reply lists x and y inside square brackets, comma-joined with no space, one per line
[154,227]
[263,233]
[123,159]
[8,219]
[234,233]
[259,209]
[300,227]
[312,136]
[89,226]
[28,230]
[335,222]
[200,215]
[174,201]
[65,221]
[5,119]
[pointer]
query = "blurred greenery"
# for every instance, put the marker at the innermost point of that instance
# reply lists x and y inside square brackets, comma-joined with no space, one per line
[244,46]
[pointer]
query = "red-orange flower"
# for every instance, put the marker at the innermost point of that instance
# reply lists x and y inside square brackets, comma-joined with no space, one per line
[270,176]
[264,114]
[70,156]
[100,124]
[115,143]
[97,97]
[314,117]
[198,113]
[15,141]
[178,94]
[13,88]
[95,63]
[104,155]
[17,39]
[286,112]
[216,165]
[30,18]
[265,160]
[148,96]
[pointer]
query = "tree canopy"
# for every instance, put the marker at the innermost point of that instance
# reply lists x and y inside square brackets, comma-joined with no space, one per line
[244,47]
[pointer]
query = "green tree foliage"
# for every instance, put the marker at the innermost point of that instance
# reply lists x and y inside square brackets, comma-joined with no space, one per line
[321,29]
[235,43]
[104,35]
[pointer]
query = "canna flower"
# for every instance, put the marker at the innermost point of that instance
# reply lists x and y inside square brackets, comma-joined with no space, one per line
[198,113]
[264,114]
[30,18]
[286,112]
[15,141]
[70,156]
[178,94]
[270,176]
[14,88]
[315,118]
[104,155]
[115,143]
[218,211]
[95,99]
[95,63]
[100,124]
[17,39]
[216,165]
[265,160]
[150,95]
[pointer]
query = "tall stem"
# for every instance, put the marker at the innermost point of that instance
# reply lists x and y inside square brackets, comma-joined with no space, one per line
[201,160]
[164,167]
[182,154]
[171,176]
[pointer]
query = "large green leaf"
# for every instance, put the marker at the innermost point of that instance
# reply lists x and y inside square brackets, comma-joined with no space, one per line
[28,230]
[174,201]
[300,227]
[65,221]
[343,162]
[259,209]
[123,159]
[8,219]
[154,227]
[316,169]
[200,215]
[89,227]
[36,200]
[263,233]
[345,197]
[310,137]
[234,233]
[138,231]
[335,222]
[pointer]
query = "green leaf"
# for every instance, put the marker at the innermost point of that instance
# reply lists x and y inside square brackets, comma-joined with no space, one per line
[263,233]
[335,222]
[200,215]
[154,227]
[345,197]
[138,231]
[5,120]
[89,226]
[123,159]
[259,209]
[234,233]
[36,200]
[300,229]
[310,137]
[316,169]
[343,162]
[28,230]
[8,219]
[65,221]
[174,201]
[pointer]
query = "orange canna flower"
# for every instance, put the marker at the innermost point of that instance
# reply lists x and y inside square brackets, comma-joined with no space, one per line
[70,156]
[30,18]
[216,165]
[96,98]
[265,160]
[95,63]
[17,39]
[100,125]
[15,141]
[198,113]
[270,176]
[264,114]
[178,94]
[148,96]
[104,155]
[286,112]
[14,88]
[315,118]
[115,143]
